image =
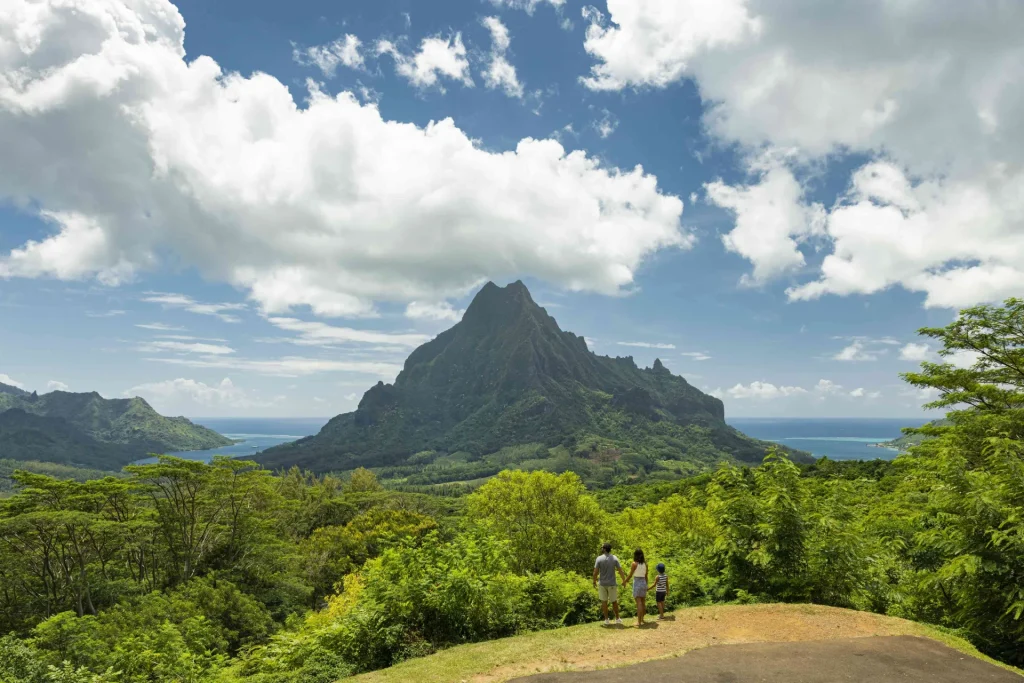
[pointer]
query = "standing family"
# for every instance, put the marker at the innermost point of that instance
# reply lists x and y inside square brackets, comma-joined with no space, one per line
[605,569]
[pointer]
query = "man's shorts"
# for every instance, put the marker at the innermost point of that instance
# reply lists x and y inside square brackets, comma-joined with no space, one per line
[608,593]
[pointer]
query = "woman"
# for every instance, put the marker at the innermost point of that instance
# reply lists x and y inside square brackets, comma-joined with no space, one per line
[638,572]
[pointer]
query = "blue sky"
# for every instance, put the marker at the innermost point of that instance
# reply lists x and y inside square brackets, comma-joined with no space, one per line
[260,208]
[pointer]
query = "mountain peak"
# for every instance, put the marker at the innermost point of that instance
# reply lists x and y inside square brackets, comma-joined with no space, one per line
[494,305]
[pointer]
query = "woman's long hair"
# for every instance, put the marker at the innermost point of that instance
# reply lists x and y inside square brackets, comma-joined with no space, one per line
[638,557]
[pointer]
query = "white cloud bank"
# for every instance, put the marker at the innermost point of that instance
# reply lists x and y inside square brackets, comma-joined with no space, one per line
[134,153]
[767,391]
[181,395]
[10,381]
[54,385]
[934,92]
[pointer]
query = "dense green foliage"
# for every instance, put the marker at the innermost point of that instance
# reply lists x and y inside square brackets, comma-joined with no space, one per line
[505,387]
[91,431]
[224,573]
[55,470]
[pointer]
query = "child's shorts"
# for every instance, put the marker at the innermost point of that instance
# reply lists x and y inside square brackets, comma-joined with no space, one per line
[659,596]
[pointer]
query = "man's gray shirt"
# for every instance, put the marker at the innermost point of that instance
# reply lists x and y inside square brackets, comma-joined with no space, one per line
[606,566]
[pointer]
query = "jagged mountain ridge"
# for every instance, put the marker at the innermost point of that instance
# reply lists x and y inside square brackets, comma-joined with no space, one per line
[87,429]
[507,375]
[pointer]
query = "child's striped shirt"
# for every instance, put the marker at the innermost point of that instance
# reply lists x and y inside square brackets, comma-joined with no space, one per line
[661,583]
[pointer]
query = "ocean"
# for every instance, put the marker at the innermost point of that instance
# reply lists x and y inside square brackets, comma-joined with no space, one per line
[838,438]
[253,433]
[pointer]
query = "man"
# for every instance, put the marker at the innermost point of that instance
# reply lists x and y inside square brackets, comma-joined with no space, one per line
[608,589]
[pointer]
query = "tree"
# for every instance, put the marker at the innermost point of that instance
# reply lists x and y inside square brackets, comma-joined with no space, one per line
[982,377]
[362,481]
[978,461]
[549,520]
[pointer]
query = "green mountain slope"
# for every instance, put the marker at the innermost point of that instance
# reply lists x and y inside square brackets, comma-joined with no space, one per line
[87,429]
[25,436]
[506,386]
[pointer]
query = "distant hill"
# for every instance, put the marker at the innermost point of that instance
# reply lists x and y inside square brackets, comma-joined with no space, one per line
[907,440]
[89,430]
[506,386]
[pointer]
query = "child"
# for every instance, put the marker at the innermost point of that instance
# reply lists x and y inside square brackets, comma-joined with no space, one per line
[638,572]
[661,590]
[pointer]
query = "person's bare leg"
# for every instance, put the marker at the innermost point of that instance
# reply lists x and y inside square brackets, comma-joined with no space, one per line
[661,610]
[639,612]
[615,607]
[604,609]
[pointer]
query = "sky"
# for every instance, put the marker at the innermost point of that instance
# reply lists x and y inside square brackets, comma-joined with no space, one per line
[260,208]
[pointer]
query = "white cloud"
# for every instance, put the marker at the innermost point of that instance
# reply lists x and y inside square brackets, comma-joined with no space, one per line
[437,57]
[855,352]
[924,394]
[771,219]
[181,395]
[915,352]
[932,93]
[160,327]
[590,342]
[343,51]
[188,337]
[105,314]
[859,392]
[827,387]
[696,355]
[762,390]
[962,358]
[606,125]
[314,333]
[647,345]
[500,74]
[10,381]
[960,241]
[528,5]
[54,385]
[192,306]
[433,311]
[653,41]
[138,156]
[288,366]
[352,397]
[185,347]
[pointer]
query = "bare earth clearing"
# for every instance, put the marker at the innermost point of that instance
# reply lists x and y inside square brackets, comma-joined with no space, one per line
[592,646]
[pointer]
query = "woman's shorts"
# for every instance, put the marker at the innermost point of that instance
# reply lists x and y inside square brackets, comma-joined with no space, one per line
[639,588]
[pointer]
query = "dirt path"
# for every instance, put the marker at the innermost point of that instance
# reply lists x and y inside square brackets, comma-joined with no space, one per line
[907,659]
[594,647]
